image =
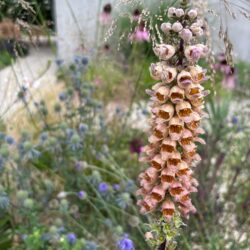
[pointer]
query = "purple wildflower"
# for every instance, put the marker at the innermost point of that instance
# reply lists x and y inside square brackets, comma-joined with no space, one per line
[125,243]
[136,146]
[229,79]
[116,187]
[103,187]
[71,237]
[82,195]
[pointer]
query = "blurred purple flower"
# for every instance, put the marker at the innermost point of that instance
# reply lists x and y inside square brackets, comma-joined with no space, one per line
[229,79]
[235,120]
[82,195]
[116,187]
[136,146]
[71,237]
[125,243]
[105,16]
[103,187]
[136,14]
[140,33]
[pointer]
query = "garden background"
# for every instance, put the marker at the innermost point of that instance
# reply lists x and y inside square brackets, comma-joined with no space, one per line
[74,117]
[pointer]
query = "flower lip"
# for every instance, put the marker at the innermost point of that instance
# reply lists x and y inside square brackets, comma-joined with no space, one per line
[164,114]
[167,175]
[176,129]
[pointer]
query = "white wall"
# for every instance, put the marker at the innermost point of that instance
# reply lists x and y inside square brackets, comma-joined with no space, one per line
[238,29]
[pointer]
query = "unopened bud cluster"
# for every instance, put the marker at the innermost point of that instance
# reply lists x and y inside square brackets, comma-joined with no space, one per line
[177,103]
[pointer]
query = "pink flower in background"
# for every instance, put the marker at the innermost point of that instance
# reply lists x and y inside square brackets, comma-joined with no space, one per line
[105,17]
[140,34]
[136,146]
[229,79]
[136,14]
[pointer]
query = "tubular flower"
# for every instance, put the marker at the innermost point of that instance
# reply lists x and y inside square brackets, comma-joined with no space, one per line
[177,103]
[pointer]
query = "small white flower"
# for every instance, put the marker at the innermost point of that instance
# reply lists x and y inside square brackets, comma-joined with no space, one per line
[166,27]
[171,12]
[62,195]
[179,12]
[192,13]
[164,51]
[186,35]
[177,27]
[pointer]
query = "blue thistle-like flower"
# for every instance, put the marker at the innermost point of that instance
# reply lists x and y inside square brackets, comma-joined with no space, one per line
[235,120]
[44,136]
[59,62]
[125,243]
[9,139]
[83,127]
[71,237]
[62,96]
[85,60]
[82,195]
[103,187]
[69,132]
[116,187]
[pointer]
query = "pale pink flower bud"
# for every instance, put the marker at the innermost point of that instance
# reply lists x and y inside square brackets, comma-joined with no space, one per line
[179,12]
[168,209]
[157,163]
[176,126]
[171,12]
[192,13]
[149,236]
[200,140]
[204,49]
[169,75]
[177,27]
[196,29]
[156,70]
[164,51]
[176,94]
[184,79]
[186,35]
[193,53]
[184,111]
[198,131]
[161,71]
[166,27]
